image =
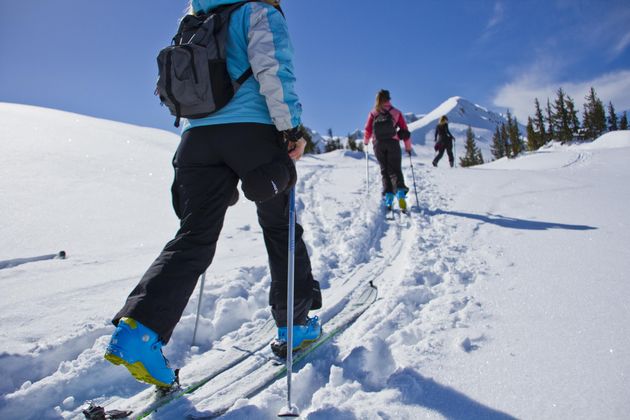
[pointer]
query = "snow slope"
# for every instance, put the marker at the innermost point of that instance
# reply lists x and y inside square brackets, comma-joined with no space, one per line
[504,296]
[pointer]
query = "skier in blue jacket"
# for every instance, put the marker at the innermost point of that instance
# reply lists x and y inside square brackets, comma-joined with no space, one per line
[255,138]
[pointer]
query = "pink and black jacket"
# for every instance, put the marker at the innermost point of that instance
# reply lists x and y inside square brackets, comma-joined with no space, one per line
[399,122]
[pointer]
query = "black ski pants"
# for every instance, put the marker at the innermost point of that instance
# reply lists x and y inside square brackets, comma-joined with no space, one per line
[208,164]
[449,151]
[389,158]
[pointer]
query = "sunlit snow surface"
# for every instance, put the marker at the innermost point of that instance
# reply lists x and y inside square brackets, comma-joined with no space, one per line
[505,295]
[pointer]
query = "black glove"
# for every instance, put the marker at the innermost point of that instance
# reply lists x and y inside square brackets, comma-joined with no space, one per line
[293,134]
[403,134]
[409,153]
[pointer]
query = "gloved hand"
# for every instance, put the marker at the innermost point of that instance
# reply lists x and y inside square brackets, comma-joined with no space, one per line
[296,149]
[293,134]
[409,153]
[403,134]
[296,143]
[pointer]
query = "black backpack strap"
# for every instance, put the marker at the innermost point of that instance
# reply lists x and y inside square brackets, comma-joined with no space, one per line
[228,9]
[244,76]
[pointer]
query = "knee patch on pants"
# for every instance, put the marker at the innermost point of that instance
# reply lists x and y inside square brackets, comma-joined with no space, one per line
[269,180]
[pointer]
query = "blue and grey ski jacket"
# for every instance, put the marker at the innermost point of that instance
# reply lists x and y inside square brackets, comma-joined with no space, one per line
[258,37]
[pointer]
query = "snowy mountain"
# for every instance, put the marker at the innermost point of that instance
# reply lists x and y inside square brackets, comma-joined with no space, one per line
[461,113]
[503,295]
[411,117]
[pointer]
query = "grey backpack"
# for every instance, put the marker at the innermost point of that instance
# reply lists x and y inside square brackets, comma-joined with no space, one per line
[193,80]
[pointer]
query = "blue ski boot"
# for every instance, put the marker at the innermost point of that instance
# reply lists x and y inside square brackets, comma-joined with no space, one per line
[139,349]
[389,200]
[401,194]
[303,335]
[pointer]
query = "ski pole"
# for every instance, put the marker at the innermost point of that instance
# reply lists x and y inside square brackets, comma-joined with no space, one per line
[454,154]
[290,410]
[413,176]
[203,281]
[367,171]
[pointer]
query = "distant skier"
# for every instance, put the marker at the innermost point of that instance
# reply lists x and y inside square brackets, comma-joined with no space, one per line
[387,126]
[443,141]
[255,138]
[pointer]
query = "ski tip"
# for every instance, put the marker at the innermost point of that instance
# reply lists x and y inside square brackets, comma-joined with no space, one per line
[61,255]
[287,411]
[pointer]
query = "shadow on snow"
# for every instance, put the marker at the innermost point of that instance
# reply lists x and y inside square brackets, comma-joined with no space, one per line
[510,222]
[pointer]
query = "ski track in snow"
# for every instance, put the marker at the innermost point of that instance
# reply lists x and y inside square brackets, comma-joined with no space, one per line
[419,257]
[349,241]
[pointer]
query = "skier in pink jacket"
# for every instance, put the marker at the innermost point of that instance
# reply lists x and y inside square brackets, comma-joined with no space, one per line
[386,125]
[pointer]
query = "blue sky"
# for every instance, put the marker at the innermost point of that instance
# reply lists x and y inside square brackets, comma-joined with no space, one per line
[98,58]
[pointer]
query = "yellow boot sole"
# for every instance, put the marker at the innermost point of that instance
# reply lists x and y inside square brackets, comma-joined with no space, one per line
[402,204]
[137,370]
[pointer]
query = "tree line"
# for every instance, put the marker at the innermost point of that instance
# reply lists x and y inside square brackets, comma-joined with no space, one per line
[560,121]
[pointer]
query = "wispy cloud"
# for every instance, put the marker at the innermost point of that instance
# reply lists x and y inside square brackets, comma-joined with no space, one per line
[622,44]
[497,16]
[606,30]
[519,95]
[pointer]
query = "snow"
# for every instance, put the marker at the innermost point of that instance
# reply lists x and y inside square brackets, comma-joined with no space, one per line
[503,297]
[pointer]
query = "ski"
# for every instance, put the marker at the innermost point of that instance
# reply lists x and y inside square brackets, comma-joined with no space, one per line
[230,362]
[180,391]
[251,378]
[403,218]
[400,217]
[61,255]
[213,363]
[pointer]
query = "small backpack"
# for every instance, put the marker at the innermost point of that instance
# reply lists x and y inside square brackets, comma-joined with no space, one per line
[193,79]
[383,126]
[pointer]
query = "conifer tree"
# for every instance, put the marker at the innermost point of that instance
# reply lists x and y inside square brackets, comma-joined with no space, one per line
[533,138]
[473,154]
[623,123]
[550,132]
[352,144]
[506,140]
[594,116]
[333,143]
[310,146]
[514,136]
[560,117]
[574,120]
[539,126]
[479,157]
[612,118]
[497,148]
